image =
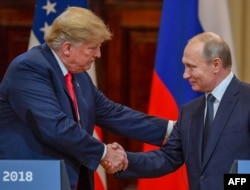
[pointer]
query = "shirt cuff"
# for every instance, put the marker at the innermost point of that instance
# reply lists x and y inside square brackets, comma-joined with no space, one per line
[104,152]
[168,131]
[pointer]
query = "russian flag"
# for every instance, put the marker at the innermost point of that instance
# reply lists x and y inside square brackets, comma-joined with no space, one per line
[45,13]
[180,20]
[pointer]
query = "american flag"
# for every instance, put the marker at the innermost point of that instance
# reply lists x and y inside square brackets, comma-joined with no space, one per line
[45,13]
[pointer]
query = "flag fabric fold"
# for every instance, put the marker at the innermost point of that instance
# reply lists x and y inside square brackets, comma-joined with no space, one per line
[45,13]
[180,21]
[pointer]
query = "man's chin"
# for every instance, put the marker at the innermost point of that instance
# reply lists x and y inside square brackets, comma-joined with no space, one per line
[195,88]
[88,67]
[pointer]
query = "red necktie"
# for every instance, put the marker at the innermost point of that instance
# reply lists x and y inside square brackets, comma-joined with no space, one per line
[70,86]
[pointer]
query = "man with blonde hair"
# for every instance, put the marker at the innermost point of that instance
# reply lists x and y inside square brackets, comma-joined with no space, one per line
[49,105]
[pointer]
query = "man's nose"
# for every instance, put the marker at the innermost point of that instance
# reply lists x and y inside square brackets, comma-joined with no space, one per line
[98,52]
[186,74]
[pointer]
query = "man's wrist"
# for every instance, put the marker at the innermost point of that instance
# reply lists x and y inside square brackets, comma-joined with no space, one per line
[104,151]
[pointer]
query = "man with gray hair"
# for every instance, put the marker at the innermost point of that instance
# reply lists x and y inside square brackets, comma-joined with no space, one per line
[209,135]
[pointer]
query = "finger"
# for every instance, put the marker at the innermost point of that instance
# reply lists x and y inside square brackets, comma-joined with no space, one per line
[112,169]
[115,145]
[106,165]
[109,169]
[125,163]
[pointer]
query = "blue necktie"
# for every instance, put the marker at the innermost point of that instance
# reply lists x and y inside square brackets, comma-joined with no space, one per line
[208,119]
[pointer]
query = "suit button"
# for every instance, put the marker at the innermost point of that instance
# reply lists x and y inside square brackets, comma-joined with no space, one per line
[202,177]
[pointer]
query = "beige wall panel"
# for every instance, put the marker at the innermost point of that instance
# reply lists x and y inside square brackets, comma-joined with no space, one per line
[240,17]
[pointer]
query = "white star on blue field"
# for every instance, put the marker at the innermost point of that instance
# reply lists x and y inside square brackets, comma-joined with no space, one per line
[47,10]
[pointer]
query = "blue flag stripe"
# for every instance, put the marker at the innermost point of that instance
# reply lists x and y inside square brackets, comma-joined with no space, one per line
[179,22]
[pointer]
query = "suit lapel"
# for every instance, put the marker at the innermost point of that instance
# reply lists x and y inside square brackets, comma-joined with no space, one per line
[82,102]
[78,95]
[54,64]
[224,111]
[196,128]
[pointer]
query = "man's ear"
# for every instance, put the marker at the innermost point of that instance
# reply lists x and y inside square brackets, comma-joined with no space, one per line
[217,63]
[66,48]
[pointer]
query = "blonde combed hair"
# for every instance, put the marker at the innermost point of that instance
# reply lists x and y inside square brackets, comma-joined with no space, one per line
[77,25]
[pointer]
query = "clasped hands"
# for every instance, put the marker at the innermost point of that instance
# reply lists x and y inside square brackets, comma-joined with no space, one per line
[115,159]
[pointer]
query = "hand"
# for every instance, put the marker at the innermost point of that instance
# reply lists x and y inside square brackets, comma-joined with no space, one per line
[115,159]
[116,146]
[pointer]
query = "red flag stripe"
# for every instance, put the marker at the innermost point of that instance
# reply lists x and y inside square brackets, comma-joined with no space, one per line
[162,103]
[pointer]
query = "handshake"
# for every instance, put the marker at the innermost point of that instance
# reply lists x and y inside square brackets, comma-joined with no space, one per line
[115,159]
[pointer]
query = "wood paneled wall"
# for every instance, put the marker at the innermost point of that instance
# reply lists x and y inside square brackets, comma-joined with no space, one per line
[15,25]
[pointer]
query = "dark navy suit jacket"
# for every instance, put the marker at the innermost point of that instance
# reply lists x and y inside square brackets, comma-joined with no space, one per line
[229,140]
[37,120]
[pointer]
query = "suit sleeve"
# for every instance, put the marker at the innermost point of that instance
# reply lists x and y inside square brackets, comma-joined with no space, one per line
[130,123]
[155,163]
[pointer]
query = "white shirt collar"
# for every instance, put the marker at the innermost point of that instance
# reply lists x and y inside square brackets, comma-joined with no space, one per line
[60,63]
[219,90]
